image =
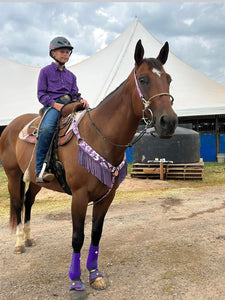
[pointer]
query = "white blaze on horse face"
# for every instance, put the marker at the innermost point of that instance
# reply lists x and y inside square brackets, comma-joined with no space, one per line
[157,72]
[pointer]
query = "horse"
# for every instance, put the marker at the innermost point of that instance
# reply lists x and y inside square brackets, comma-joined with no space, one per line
[108,130]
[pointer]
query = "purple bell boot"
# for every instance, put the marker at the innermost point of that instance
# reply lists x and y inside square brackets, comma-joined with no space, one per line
[75,272]
[92,264]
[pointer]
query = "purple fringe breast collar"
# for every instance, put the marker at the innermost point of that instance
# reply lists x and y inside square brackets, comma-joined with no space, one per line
[97,165]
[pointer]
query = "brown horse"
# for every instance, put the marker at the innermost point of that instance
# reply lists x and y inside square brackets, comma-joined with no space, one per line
[108,129]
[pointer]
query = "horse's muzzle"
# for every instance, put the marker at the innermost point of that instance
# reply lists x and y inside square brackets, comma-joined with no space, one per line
[166,125]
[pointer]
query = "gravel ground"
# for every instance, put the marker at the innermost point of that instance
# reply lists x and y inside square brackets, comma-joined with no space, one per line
[168,246]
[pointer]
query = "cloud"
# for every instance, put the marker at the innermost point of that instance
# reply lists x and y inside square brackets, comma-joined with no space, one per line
[195,31]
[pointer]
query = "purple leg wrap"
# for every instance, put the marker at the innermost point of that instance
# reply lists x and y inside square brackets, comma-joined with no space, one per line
[92,261]
[77,285]
[75,271]
[94,274]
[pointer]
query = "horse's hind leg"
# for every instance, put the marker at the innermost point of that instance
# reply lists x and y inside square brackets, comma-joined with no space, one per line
[16,188]
[30,195]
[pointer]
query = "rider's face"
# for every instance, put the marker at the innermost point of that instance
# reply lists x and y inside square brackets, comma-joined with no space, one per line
[62,55]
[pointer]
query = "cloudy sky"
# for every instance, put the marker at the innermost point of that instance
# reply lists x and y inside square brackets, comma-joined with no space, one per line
[194,30]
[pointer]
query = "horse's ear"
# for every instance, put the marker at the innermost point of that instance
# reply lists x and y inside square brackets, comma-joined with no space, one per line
[139,53]
[163,54]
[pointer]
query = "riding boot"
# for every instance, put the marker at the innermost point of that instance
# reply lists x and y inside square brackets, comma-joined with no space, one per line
[45,178]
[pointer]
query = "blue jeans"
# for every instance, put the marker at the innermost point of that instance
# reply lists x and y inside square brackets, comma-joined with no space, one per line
[45,135]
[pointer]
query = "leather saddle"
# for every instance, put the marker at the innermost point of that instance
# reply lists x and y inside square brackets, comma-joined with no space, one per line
[29,133]
[63,134]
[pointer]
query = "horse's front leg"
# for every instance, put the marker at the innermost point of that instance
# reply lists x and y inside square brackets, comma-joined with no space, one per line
[99,211]
[79,208]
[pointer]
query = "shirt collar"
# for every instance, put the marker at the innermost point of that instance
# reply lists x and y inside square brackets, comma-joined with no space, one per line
[56,67]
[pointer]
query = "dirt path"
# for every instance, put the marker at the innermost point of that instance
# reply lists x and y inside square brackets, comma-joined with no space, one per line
[168,246]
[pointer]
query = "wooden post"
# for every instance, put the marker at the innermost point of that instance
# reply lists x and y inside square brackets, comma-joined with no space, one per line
[217,132]
[161,170]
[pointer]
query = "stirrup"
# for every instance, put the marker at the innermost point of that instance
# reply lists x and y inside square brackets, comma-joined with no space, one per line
[39,179]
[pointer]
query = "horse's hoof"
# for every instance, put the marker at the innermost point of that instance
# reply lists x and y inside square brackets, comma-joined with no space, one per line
[78,295]
[30,243]
[77,290]
[96,280]
[19,249]
[99,284]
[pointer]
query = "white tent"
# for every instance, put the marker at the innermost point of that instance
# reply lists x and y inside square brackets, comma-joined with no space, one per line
[18,90]
[195,94]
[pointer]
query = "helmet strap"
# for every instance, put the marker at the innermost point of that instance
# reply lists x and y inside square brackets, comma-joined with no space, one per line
[59,62]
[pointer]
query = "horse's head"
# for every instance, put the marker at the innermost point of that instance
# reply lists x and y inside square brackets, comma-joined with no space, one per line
[152,83]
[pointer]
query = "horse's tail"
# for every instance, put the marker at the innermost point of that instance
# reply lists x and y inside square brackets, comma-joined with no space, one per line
[16,208]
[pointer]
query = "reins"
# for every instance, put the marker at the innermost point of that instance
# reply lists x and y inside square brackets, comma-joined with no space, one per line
[110,142]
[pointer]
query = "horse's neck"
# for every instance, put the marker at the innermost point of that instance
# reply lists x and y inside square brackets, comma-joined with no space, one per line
[115,118]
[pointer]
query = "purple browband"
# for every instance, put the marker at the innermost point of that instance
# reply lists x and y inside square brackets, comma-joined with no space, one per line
[137,86]
[97,165]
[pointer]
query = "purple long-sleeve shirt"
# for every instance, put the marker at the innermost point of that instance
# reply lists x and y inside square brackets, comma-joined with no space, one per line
[53,83]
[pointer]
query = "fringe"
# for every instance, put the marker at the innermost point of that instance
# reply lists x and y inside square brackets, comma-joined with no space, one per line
[106,176]
[94,167]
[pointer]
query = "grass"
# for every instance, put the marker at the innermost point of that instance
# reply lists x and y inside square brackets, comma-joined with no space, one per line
[4,195]
[214,175]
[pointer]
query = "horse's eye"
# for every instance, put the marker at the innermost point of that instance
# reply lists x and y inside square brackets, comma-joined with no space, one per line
[143,80]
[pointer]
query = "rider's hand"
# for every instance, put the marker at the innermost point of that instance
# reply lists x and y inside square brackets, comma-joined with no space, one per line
[57,106]
[85,103]
[71,107]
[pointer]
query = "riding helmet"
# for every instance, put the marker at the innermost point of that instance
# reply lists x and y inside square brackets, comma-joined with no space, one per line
[59,42]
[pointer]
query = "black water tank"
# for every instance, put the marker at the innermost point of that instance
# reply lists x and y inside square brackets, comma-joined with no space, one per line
[182,147]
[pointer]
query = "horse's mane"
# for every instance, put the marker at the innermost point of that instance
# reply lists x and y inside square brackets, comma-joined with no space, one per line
[111,93]
[153,62]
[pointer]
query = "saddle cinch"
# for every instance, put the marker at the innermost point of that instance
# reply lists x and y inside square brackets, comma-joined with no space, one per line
[62,135]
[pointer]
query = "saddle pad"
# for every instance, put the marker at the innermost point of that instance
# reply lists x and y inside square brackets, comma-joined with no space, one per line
[30,131]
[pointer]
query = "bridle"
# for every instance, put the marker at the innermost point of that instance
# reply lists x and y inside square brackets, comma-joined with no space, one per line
[148,123]
[147,103]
